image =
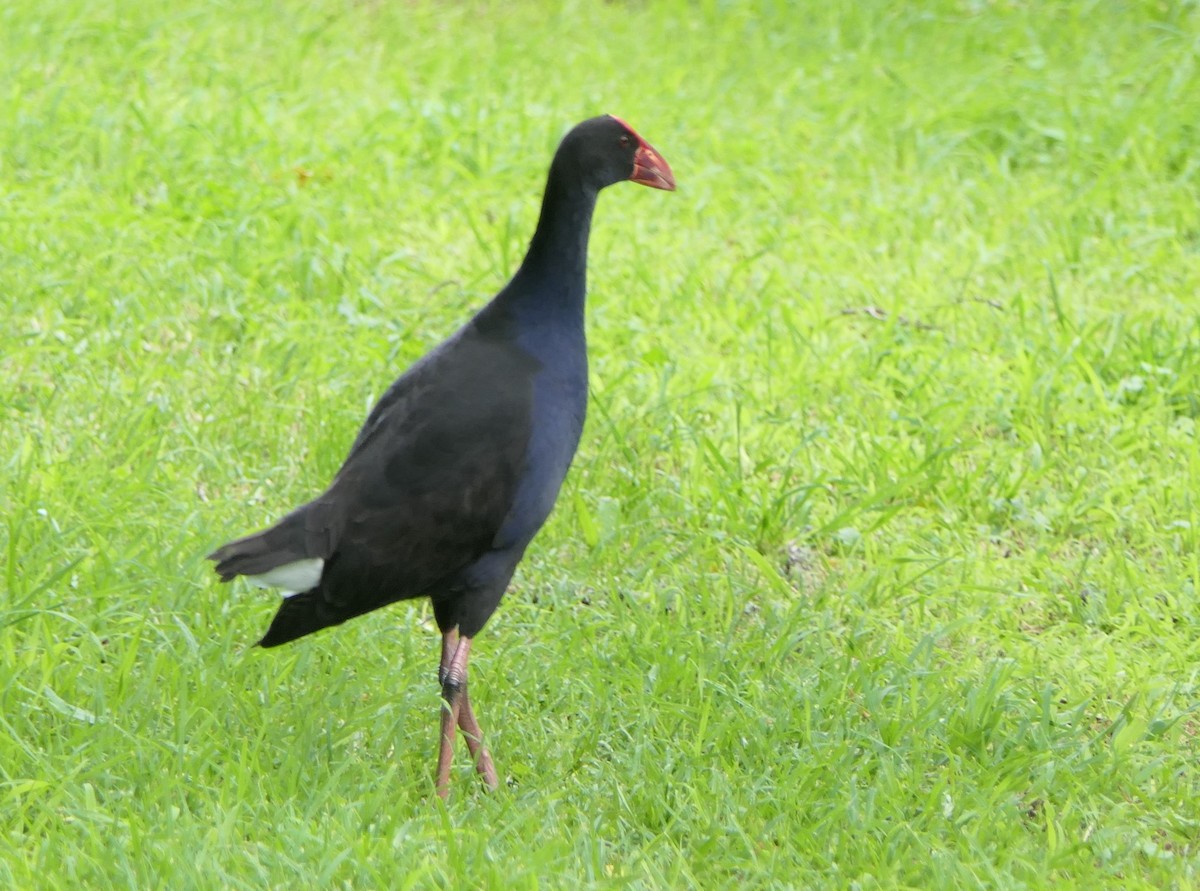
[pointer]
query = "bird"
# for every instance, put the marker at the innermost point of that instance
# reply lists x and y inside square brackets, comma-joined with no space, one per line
[459,463]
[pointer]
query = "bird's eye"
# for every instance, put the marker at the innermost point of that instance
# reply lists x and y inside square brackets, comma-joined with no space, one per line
[624,141]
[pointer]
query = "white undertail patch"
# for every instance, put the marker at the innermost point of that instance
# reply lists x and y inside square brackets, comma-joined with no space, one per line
[294,578]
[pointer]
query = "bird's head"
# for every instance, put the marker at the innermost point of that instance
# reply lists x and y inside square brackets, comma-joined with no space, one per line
[606,150]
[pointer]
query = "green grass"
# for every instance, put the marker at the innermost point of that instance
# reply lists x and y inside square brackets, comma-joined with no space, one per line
[878,565]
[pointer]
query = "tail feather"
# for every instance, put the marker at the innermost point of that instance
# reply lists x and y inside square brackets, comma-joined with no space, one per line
[307,535]
[299,615]
[298,536]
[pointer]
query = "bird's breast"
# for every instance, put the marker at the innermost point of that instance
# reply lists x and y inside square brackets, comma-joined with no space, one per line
[558,409]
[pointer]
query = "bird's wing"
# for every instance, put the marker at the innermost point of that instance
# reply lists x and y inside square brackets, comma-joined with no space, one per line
[433,473]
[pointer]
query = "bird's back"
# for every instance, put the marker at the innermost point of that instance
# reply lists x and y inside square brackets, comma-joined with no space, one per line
[423,493]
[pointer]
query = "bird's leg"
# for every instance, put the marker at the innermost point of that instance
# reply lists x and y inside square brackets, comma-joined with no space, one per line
[452,689]
[449,643]
[457,713]
[474,736]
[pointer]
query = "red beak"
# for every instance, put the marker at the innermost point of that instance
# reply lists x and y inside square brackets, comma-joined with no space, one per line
[650,169]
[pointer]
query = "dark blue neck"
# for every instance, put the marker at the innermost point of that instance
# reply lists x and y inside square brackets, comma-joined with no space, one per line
[553,275]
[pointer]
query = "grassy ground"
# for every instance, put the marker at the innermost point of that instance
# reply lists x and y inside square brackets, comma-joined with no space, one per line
[878,566]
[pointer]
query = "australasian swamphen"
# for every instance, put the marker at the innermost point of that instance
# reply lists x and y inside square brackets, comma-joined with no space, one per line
[460,462]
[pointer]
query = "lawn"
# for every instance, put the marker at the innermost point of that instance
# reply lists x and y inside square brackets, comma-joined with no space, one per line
[878,565]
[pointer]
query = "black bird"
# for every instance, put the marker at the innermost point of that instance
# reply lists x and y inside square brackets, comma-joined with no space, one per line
[460,462]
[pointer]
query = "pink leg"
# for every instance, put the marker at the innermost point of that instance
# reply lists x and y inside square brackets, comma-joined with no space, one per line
[457,713]
[474,736]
